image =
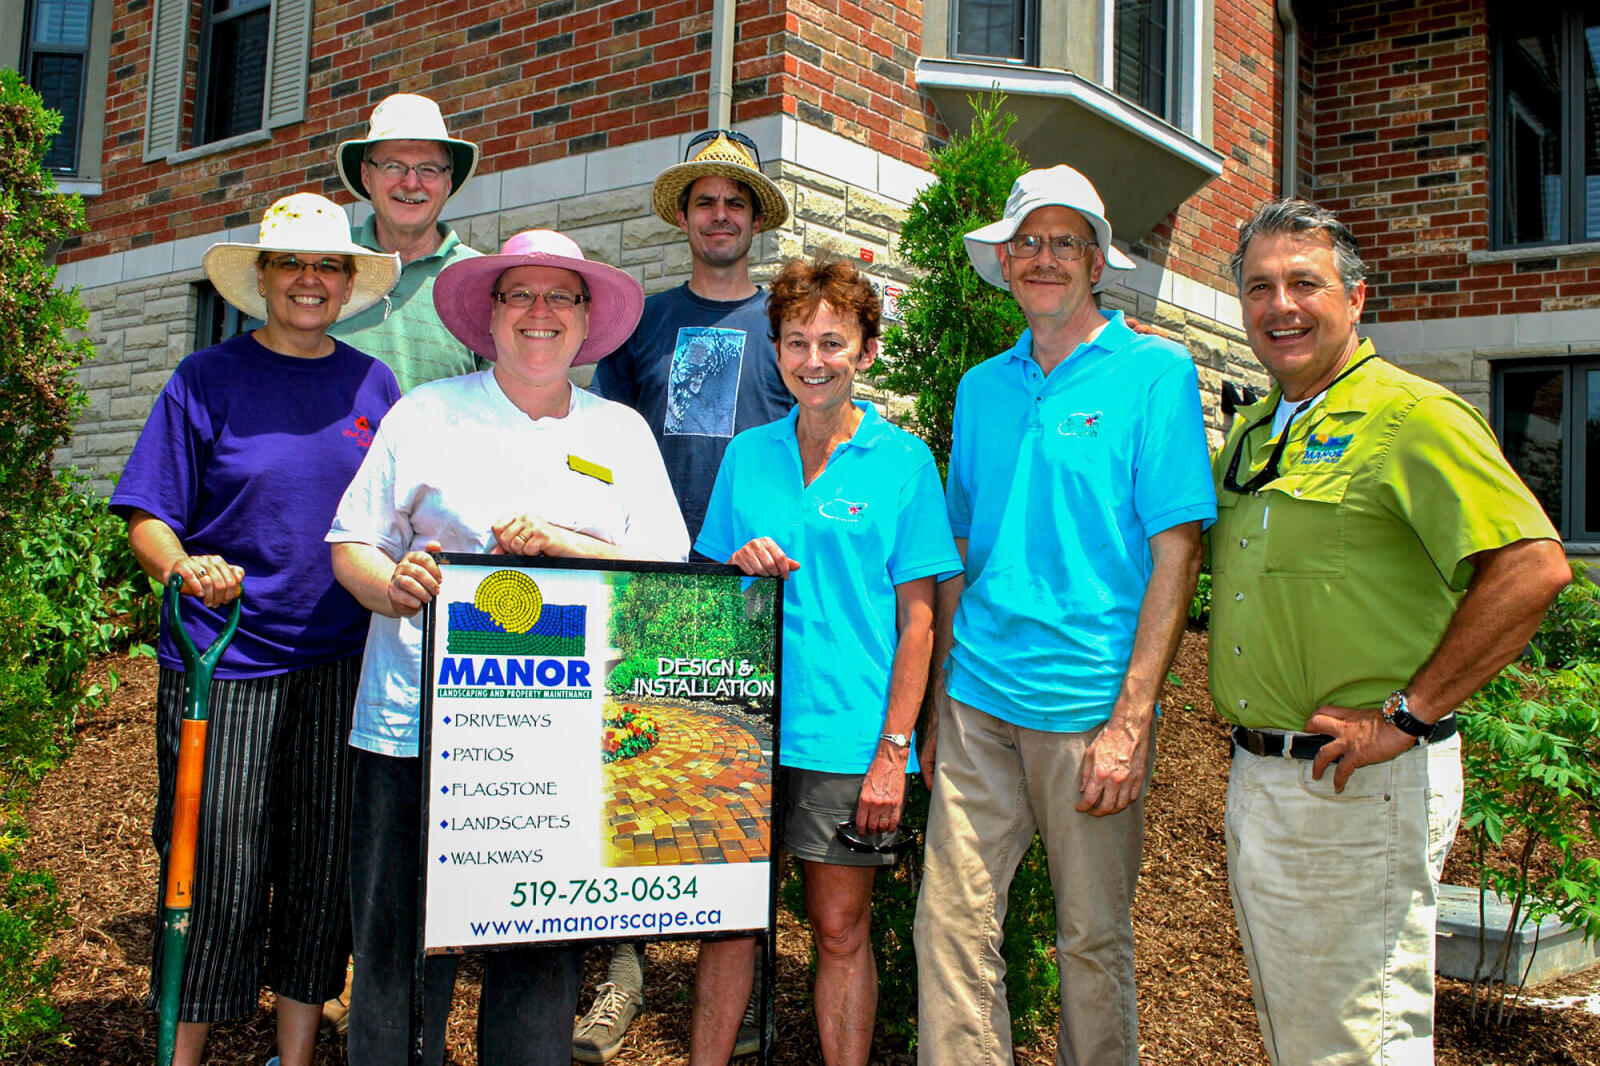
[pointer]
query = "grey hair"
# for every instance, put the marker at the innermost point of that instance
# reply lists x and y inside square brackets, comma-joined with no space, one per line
[1294,215]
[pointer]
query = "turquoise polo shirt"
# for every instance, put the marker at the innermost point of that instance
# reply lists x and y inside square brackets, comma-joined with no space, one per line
[1058,483]
[873,519]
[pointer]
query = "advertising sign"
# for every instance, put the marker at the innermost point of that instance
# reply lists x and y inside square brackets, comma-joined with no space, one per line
[600,741]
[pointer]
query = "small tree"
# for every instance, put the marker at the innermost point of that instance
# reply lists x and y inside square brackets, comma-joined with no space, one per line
[39,392]
[1531,809]
[951,319]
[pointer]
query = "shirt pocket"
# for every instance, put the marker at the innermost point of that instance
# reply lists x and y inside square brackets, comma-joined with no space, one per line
[1306,523]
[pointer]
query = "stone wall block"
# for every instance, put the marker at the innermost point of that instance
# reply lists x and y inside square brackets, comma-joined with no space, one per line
[611,206]
[648,232]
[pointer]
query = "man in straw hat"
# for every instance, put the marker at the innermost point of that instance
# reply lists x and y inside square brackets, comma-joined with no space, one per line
[408,167]
[1078,486]
[700,369]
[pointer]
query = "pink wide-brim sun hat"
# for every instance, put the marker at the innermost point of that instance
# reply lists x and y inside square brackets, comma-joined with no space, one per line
[463,293]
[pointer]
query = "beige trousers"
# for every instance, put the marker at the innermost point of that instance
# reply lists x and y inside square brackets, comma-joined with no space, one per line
[996,785]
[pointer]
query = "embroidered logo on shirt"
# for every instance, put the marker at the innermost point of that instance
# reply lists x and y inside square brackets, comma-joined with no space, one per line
[842,510]
[361,430]
[1326,449]
[1079,424]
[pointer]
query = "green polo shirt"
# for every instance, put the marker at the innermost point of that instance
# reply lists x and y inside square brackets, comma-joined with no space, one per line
[403,330]
[1334,582]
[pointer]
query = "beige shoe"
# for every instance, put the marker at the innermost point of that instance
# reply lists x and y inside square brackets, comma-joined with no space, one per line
[597,1036]
[336,1012]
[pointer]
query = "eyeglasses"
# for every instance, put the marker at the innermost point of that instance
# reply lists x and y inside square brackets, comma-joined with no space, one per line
[555,299]
[733,135]
[1065,247]
[896,843]
[293,264]
[394,170]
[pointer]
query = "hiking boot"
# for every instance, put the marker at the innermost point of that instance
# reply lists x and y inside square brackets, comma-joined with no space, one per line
[748,1041]
[597,1036]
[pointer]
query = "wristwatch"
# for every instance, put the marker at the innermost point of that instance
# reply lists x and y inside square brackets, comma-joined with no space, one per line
[899,740]
[1397,712]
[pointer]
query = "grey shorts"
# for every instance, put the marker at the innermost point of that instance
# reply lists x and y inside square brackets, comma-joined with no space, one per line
[814,803]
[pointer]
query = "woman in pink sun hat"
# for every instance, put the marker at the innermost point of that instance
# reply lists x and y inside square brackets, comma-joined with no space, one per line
[513,460]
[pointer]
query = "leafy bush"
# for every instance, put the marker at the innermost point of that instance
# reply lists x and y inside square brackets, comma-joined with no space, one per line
[29,908]
[1200,606]
[951,319]
[1532,763]
[1571,631]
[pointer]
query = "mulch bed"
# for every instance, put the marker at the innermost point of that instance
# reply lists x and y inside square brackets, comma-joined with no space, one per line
[90,826]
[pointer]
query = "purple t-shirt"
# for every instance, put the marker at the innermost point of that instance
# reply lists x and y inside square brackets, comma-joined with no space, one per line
[246,455]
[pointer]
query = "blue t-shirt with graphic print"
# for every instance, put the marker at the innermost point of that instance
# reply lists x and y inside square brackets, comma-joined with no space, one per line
[699,371]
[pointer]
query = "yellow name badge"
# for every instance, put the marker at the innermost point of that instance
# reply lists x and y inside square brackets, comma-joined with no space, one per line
[584,466]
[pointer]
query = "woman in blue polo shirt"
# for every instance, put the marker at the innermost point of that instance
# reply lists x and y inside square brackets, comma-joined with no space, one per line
[848,510]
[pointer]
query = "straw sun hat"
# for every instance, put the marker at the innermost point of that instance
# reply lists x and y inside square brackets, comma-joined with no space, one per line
[721,157]
[308,224]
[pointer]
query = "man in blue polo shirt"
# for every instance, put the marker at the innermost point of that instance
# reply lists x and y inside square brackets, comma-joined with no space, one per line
[1079,483]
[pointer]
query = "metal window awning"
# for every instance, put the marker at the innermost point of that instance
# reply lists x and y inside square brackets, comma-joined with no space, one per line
[1143,167]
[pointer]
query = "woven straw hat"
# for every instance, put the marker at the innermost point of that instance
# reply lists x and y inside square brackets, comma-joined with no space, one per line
[724,158]
[463,293]
[406,117]
[303,223]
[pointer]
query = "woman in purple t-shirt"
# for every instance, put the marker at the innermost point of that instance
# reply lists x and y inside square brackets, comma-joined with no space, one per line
[231,486]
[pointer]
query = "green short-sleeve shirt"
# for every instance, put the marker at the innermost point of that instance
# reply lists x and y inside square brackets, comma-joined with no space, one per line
[1335,581]
[404,330]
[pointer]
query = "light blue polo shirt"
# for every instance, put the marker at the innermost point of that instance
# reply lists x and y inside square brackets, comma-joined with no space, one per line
[873,519]
[1058,483]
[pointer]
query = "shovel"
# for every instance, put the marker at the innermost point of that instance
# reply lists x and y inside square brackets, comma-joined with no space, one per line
[179,897]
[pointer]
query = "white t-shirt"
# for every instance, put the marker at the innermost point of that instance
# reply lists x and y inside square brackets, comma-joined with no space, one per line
[455,456]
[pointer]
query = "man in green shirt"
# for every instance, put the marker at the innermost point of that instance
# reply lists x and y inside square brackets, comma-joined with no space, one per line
[408,168]
[1374,562]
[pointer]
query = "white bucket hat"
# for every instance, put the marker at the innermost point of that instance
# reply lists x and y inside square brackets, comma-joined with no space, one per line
[302,223]
[1060,186]
[406,117]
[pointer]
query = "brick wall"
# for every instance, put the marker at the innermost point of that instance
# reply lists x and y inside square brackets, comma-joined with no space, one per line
[527,83]
[1402,140]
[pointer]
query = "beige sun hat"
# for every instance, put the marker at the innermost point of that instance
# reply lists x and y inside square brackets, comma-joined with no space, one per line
[406,117]
[308,223]
[723,154]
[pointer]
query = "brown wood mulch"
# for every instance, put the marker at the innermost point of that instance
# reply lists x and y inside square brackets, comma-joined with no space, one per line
[90,827]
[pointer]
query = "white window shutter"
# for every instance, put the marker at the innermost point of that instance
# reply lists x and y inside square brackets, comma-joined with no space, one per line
[163,122]
[288,62]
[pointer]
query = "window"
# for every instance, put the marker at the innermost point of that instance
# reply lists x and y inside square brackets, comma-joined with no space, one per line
[56,59]
[1548,418]
[1142,45]
[215,319]
[1547,124]
[250,76]
[996,29]
[233,68]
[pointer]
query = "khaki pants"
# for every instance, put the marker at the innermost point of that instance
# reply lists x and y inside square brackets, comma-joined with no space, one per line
[996,784]
[1336,898]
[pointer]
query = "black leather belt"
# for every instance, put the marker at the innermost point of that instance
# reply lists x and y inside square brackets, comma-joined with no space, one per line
[1306,745]
[1271,745]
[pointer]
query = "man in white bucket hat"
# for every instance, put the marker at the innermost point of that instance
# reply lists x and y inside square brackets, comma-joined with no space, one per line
[408,167]
[1079,482]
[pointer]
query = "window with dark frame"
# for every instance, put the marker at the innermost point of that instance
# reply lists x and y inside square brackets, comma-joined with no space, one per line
[233,68]
[1546,150]
[215,319]
[996,29]
[56,61]
[1547,415]
[1141,44]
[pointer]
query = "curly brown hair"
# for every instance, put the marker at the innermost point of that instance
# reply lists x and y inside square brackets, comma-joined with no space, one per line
[802,285]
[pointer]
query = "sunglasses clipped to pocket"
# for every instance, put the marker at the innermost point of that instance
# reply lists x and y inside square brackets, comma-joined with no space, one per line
[896,843]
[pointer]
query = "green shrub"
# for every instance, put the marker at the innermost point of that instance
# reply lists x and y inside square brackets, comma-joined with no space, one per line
[1570,633]
[29,909]
[1200,606]
[951,319]
[1531,759]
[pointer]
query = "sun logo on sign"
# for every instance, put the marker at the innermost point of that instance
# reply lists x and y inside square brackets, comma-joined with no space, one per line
[512,599]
